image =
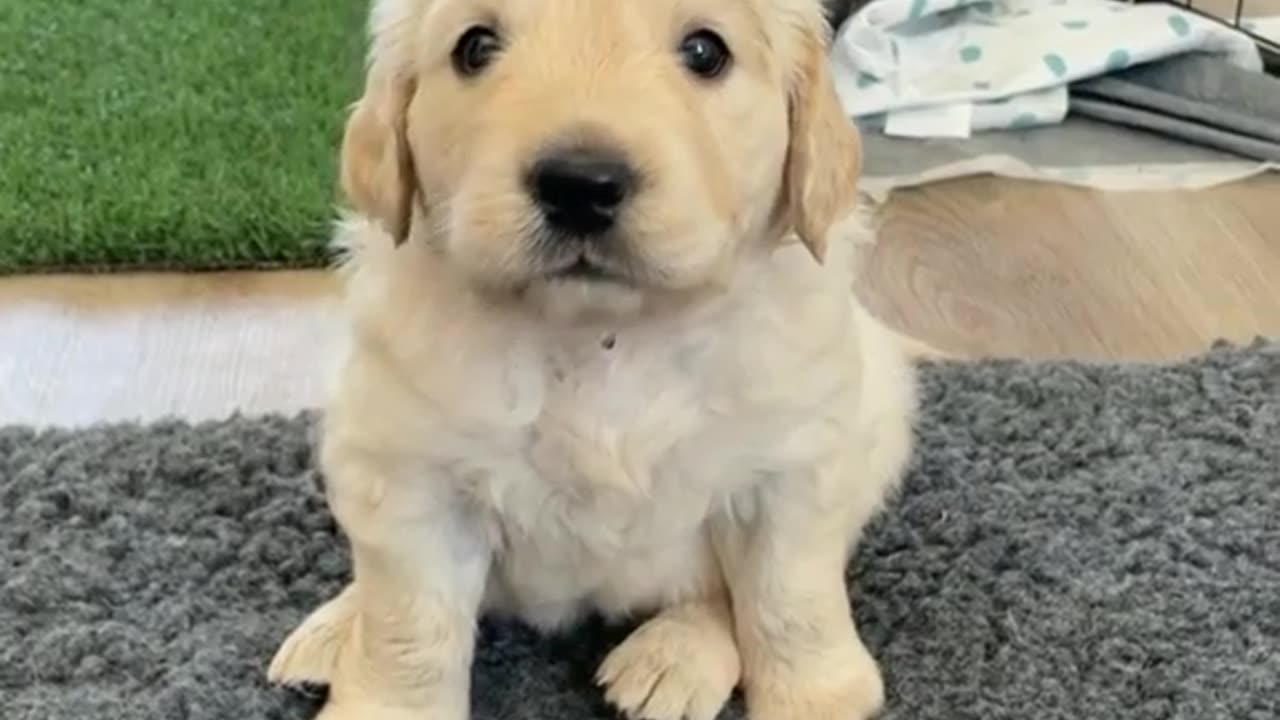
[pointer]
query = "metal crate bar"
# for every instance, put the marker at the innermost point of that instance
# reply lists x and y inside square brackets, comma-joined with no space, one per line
[1269,47]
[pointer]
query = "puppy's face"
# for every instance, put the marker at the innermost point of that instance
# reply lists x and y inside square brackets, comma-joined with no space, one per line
[590,154]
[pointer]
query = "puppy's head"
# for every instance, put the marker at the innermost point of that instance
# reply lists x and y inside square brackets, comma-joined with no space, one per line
[599,153]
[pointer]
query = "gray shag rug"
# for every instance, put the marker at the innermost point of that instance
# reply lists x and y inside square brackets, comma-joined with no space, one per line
[1073,541]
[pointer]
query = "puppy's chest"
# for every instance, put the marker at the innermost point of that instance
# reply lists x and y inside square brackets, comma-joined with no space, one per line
[623,451]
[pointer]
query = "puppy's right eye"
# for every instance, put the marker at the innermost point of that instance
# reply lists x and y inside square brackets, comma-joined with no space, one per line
[705,54]
[475,50]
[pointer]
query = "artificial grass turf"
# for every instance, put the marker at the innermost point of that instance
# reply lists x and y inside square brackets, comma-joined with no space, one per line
[189,134]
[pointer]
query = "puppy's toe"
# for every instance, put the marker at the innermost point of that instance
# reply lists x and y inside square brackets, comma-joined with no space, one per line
[308,655]
[669,670]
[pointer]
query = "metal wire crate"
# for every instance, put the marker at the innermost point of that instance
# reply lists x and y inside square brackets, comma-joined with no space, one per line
[1232,13]
[1229,12]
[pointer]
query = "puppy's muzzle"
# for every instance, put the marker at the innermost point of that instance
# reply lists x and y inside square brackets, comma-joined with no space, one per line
[580,191]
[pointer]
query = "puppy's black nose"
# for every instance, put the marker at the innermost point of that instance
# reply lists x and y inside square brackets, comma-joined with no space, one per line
[580,192]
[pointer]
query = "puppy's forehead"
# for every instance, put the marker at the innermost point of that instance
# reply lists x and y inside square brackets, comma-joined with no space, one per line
[768,35]
[610,16]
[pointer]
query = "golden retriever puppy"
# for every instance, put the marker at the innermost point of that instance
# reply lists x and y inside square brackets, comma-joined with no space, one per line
[605,358]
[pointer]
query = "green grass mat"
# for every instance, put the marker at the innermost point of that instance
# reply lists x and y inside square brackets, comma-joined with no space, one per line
[188,134]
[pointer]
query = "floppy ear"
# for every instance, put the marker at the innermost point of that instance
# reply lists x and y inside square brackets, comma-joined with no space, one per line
[377,171]
[825,154]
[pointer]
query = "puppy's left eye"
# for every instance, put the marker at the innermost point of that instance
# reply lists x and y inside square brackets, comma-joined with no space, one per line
[705,54]
[475,50]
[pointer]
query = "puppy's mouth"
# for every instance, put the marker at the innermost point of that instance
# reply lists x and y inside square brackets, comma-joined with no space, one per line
[586,270]
[584,263]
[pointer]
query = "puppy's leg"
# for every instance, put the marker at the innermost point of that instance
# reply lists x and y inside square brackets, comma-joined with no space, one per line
[784,561]
[397,644]
[680,665]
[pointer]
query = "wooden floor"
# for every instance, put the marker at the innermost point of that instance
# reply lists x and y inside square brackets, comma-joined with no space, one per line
[979,266]
[997,267]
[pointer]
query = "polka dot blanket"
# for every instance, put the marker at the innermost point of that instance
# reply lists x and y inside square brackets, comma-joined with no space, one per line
[948,68]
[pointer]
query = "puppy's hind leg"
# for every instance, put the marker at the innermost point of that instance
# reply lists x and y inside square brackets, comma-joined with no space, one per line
[309,654]
[680,665]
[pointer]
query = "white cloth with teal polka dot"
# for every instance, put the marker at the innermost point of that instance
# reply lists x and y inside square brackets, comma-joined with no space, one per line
[948,68]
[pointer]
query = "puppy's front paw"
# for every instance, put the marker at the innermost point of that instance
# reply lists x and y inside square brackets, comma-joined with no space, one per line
[310,652]
[846,687]
[320,651]
[671,670]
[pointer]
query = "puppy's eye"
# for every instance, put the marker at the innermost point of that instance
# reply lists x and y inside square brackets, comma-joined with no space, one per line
[475,50]
[704,53]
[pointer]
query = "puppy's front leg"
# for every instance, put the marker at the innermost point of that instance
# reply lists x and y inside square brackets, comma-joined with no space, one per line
[784,560]
[398,643]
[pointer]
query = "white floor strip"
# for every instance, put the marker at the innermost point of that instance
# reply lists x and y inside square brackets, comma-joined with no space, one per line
[67,365]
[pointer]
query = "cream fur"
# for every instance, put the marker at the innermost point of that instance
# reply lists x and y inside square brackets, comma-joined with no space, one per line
[704,448]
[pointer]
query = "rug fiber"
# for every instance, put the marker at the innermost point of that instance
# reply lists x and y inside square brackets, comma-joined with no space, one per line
[1072,542]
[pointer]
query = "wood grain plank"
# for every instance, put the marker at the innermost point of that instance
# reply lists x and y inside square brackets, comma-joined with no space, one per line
[986,266]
